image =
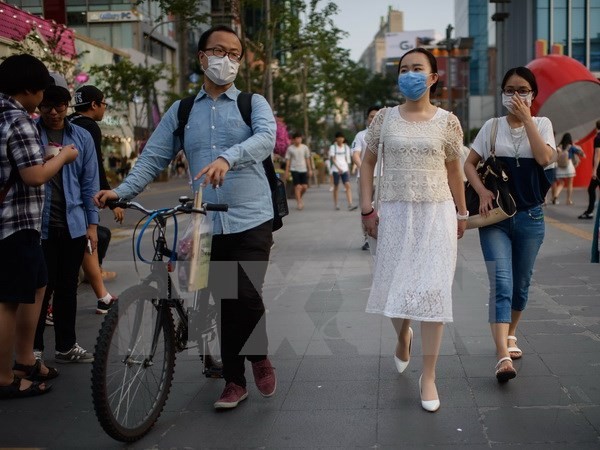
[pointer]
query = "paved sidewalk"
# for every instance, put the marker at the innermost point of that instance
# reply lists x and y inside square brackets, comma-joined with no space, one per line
[338,387]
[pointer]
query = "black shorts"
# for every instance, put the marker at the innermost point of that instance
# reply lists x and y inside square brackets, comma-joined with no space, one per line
[22,267]
[299,178]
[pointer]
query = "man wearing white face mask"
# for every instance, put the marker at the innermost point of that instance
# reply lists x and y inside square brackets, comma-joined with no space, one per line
[225,155]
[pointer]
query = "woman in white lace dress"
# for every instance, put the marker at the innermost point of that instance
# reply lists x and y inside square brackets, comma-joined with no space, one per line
[417,225]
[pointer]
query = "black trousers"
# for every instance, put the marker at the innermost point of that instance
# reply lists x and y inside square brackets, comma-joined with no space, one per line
[238,266]
[104,236]
[594,183]
[63,257]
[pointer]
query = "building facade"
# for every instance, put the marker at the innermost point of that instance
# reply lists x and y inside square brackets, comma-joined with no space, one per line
[374,57]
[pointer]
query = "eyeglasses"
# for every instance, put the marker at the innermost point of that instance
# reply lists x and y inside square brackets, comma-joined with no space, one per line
[216,51]
[58,108]
[522,92]
[106,105]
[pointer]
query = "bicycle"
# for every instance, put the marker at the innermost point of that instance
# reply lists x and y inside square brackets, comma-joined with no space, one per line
[136,347]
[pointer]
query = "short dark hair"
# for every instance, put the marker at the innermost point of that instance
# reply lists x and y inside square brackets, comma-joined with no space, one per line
[524,73]
[372,108]
[204,37]
[430,58]
[339,134]
[296,135]
[21,73]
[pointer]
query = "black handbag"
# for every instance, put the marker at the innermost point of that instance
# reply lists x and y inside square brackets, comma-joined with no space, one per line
[494,177]
[278,194]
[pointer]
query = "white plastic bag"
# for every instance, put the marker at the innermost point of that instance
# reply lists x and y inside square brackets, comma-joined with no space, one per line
[193,251]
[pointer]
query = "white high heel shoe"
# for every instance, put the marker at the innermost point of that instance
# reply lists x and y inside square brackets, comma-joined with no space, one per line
[428,405]
[402,365]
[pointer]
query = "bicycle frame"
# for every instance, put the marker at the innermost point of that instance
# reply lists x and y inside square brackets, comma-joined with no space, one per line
[169,298]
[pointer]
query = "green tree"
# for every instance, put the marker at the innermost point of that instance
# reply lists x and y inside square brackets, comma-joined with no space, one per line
[180,10]
[124,83]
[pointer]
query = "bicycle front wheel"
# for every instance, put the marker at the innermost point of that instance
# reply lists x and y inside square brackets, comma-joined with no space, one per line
[133,364]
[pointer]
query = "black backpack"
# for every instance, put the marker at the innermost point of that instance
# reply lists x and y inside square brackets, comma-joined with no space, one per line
[244,104]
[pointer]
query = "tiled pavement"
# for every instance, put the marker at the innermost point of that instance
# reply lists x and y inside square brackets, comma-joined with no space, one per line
[337,384]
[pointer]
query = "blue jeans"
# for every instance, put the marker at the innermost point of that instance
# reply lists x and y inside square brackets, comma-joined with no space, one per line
[510,248]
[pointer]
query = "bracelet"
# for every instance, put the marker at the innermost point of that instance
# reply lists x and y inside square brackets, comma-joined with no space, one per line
[370,215]
[367,214]
[462,216]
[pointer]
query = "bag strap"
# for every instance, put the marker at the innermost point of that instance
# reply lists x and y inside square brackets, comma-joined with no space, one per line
[379,156]
[493,136]
[244,104]
[183,115]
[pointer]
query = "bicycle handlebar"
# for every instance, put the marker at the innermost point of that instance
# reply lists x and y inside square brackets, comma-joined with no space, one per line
[185,207]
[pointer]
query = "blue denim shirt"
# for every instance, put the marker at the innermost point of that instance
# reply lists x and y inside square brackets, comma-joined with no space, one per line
[216,129]
[80,181]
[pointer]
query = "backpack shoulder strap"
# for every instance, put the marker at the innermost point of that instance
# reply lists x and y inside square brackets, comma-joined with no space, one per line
[183,115]
[244,104]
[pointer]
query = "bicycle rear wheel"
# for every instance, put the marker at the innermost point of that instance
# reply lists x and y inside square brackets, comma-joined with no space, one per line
[130,379]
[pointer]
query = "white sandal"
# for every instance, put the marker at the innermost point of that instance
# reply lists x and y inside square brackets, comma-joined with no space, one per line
[507,374]
[514,349]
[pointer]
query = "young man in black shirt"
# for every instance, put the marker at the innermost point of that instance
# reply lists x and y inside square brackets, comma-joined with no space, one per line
[90,107]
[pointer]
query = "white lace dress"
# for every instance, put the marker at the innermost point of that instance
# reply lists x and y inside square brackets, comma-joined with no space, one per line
[417,242]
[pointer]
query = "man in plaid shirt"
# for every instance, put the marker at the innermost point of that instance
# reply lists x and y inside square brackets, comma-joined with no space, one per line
[23,275]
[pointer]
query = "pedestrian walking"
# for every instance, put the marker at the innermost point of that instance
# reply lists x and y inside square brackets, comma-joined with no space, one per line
[417,226]
[90,107]
[23,274]
[69,221]
[567,162]
[339,155]
[526,145]
[297,161]
[225,157]
[359,147]
[595,178]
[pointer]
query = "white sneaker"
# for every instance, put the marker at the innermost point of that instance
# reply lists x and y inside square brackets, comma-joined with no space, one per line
[75,355]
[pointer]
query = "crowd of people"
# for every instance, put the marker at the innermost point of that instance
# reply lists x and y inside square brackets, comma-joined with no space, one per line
[421,214]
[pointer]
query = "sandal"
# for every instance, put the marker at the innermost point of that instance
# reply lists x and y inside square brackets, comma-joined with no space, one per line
[13,390]
[34,373]
[514,351]
[503,375]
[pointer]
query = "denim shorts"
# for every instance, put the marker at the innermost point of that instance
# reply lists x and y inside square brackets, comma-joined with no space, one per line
[510,248]
[344,176]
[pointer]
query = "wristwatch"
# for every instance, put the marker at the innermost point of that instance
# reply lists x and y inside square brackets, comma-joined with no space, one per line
[462,216]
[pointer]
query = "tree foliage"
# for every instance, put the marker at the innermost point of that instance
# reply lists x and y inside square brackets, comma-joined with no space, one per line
[124,82]
[49,51]
[184,9]
[315,82]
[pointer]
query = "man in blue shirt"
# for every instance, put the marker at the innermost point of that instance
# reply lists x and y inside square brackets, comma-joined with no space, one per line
[69,221]
[225,157]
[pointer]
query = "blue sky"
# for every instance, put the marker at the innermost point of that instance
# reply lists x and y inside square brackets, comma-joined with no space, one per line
[360,18]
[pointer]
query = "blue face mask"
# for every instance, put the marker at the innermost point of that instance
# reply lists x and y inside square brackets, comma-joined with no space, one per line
[412,85]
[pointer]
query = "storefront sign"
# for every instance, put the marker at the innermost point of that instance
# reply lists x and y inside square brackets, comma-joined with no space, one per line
[113,16]
[397,44]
